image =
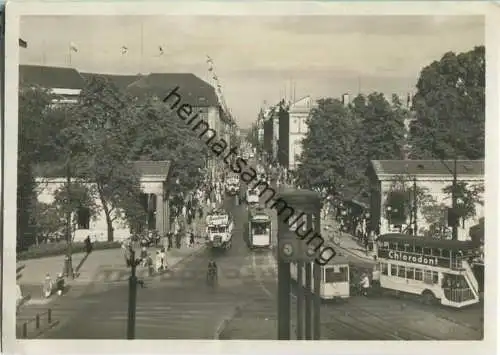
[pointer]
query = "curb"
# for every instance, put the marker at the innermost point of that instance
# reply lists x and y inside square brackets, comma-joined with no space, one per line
[51,326]
[223,324]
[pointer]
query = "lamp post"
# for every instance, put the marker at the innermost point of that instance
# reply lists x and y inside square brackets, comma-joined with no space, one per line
[68,262]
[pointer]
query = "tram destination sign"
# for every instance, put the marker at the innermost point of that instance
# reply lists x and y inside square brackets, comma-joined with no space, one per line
[414,258]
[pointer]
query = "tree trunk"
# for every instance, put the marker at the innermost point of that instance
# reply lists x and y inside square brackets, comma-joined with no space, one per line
[109,221]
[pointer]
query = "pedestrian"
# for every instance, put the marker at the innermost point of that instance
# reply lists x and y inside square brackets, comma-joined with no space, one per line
[88,244]
[191,239]
[178,240]
[376,274]
[158,262]
[365,284]
[47,286]
[163,258]
[170,238]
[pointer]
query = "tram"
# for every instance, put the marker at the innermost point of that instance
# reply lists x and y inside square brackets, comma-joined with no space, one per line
[436,270]
[335,277]
[258,231]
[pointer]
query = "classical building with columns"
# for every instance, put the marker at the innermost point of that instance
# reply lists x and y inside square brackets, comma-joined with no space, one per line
[154,176]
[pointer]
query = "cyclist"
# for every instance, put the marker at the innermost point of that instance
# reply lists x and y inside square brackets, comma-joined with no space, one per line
[212,271]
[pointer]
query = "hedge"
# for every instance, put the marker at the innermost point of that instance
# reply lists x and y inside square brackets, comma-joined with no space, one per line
[55,249]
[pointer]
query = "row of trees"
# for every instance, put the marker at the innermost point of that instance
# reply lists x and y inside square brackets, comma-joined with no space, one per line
[447,116]
[93,144]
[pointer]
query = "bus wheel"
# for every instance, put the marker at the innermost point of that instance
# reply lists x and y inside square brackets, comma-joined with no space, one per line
[428,297]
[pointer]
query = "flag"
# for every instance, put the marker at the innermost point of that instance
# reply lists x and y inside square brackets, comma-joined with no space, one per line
[124,49]
[209,60]
[73,47]
[160,48]
[23,43]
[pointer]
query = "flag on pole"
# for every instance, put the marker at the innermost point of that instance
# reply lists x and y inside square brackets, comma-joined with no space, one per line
[160,48]
[23,43]
[73,47]
[124,49]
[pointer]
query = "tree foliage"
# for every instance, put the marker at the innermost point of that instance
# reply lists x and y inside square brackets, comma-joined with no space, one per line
[450,108]
[468,196]
[342,140]
[327,149]
[95,142]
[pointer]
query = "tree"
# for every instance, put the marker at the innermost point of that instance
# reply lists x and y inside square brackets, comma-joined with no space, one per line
[405,193]
[48,222]
[326,156]
[108,124]
[450,108]
[381,128]
[35,132]
[164,137]
[468,196]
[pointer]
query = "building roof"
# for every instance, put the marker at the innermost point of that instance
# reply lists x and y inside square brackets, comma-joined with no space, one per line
[427,167]
[51,77]
[192,89]
[121,81]
[144,167]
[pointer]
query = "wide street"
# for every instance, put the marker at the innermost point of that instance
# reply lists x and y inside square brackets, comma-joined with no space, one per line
[180,305]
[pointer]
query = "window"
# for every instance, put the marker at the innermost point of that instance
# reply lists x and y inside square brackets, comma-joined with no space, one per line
[83,218]
[408,248]
[427,251]
[394,270]
[393,246]
[418,275]
[410,273]
[445,253]
[385,268]
[401,247]
[435,277]
[336,274]
[401,271]
[418,249]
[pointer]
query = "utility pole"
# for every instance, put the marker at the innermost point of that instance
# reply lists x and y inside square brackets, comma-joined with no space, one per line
[454,235]
[68,267]
[132,295]
[415,207]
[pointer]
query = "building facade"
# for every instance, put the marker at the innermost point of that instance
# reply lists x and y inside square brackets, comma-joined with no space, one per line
[154,177]
[428,178]
[299,112]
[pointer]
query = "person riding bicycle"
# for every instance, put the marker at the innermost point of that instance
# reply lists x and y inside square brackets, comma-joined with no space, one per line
[212,270]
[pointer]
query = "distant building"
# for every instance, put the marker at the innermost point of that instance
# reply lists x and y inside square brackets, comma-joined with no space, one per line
[154,176]
[65,83]
[433,175]
[299,112]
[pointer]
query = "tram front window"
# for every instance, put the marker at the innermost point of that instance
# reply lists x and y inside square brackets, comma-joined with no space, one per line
[260,228]
[217,229]
[336,274]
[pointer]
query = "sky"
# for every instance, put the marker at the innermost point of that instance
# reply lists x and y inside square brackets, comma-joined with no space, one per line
[258,59]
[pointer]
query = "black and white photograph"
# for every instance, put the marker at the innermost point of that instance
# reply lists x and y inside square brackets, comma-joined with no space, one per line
[250,176]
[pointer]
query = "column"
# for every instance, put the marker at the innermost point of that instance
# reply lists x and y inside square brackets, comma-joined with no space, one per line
[159,214]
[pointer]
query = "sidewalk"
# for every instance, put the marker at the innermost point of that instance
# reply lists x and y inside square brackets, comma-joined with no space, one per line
[347,242]
[34,270]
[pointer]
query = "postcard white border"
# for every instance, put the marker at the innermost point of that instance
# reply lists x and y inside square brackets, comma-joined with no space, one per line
[266,8]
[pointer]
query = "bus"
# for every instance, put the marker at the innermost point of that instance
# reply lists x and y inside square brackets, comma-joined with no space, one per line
[436,270]
[335,277]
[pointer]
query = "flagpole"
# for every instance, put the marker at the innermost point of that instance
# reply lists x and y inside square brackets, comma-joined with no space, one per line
[142,46]
[43,52]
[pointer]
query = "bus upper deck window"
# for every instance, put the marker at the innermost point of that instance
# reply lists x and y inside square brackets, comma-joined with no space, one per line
[427,251]
[418,249]
[445,253]
[408,248]
[393,246]
[401,247]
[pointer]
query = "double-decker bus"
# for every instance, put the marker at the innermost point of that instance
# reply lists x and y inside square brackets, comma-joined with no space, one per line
[437,270]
